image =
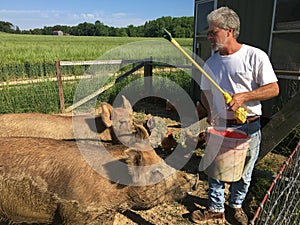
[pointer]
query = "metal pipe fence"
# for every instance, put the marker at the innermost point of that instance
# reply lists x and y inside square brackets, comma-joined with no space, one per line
[281,203]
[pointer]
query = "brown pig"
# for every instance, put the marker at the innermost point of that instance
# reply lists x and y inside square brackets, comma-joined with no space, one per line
[108,124]
[60,182]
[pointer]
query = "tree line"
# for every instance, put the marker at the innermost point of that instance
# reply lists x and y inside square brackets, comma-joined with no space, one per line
[180,27]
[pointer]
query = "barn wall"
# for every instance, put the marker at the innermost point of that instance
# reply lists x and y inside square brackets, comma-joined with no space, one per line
[256,20]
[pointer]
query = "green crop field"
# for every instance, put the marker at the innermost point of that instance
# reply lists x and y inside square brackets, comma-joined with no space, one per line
[28,57]
[44,48]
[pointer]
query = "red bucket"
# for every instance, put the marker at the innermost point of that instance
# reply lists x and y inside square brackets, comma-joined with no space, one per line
[225,153]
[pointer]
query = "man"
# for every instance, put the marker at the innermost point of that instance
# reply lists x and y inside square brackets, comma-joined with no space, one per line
[247,74]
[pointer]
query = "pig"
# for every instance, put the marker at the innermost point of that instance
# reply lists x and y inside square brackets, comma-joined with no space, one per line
[107,125]
[61,182]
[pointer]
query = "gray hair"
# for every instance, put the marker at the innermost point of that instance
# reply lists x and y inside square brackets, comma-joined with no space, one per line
[225,18]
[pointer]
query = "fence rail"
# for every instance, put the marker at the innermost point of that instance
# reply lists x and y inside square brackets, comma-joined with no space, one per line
[146,63]
[88,63]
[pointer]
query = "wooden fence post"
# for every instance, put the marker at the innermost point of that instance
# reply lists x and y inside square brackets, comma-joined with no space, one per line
[148,72]
[60,89]
[282,123]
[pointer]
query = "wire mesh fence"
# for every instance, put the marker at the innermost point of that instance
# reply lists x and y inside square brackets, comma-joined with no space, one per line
[281,204]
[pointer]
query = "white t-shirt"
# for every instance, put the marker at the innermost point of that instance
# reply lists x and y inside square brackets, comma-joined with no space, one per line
[243,71]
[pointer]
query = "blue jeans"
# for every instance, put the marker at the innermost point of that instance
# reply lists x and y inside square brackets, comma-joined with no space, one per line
[239,189]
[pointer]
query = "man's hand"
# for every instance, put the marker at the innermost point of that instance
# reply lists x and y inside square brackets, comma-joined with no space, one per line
[237,101]
[262,93]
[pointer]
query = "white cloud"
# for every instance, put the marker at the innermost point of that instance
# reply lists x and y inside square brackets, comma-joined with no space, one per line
[87,16]
[30,19]
[124,22]
[118,15]
[7,12]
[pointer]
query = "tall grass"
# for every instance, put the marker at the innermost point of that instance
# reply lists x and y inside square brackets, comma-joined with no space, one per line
[29,56]
[16,48]
[43,96]
[34,56]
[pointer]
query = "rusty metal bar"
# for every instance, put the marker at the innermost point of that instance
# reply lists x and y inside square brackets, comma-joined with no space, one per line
[60,88]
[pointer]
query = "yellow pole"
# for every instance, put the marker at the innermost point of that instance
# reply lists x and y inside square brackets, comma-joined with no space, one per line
[175,43]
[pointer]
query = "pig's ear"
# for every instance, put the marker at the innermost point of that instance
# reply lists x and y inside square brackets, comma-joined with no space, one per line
[105,110]
[127,105]
[133,157]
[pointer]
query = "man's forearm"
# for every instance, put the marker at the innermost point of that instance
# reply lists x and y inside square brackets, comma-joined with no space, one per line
[262,93]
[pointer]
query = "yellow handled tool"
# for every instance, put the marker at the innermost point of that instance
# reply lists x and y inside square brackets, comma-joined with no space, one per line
[240,114]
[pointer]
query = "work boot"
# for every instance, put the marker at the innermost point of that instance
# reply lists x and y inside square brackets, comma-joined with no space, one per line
[240,216]
[207,216]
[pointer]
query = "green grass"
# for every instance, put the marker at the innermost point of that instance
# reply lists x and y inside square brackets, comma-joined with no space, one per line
[33,49]
[17,48]
[31,56]
[43,96]
[40,97]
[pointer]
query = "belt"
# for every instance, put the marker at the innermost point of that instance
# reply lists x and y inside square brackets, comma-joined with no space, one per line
[250,119]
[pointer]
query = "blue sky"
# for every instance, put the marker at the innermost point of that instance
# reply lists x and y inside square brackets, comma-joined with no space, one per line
[30,14]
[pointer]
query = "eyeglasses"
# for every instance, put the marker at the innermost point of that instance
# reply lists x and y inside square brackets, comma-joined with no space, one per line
[213,33]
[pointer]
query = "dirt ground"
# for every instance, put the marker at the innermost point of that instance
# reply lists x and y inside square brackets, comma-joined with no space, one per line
[177,213]
[171,213]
